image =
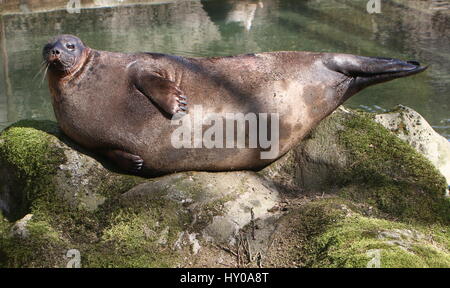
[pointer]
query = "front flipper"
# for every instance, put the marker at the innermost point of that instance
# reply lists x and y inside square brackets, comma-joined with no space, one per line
[126,161]
[163,92]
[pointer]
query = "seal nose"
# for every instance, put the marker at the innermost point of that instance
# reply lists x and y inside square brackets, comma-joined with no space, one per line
[55,52]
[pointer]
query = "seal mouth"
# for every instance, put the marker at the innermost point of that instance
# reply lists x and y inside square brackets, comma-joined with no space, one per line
[59,63]
[53,58]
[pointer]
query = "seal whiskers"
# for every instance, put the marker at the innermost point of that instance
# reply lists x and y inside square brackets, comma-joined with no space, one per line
[45,74]
[44,67]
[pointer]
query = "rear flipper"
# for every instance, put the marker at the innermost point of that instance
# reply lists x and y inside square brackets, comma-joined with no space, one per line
[368,71]
[126,161]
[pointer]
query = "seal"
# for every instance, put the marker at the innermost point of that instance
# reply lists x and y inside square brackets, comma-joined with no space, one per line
[120,105]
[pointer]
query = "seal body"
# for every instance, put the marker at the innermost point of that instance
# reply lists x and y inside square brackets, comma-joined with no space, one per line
[121,105]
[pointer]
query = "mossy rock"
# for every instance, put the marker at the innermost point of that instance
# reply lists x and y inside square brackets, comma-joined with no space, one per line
[334,232]
[357,158]
[64,189]
[42,247]
[411,127]
[390,174]
[43,168]
[78,201]
[158,223]
[113,220]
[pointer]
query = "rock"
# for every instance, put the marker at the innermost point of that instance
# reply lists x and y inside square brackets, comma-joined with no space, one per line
[19,229]
[404,238]
[412,128]
[350,173]
[323,234]
[219,205]
[36,159]
[355,157]
[313,163]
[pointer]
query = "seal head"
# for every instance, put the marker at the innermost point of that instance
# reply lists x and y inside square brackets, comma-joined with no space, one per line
[64,53]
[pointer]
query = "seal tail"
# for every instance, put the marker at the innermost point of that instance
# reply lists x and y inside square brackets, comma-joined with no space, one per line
[367,71]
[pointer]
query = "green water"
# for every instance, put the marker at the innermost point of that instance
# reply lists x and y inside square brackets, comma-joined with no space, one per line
[405,29]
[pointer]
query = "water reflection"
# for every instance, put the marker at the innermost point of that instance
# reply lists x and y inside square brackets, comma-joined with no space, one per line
[240,12]
[405,29]
[243,13]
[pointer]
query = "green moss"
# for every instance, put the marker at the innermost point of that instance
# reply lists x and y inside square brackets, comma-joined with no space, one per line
[114,185]
[28,151]
[395,178]
[42,247]
[305,225]
[348,243]
[333,233]
[141,233]
[122,233]
[5,227]
[111,235]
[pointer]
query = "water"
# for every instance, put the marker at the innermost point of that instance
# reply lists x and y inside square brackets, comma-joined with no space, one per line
[418,30]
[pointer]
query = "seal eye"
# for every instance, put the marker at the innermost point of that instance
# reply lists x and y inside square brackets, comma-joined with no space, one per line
[70,46]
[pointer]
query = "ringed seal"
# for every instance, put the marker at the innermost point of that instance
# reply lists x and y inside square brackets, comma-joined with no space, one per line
[120,105]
